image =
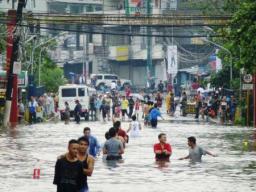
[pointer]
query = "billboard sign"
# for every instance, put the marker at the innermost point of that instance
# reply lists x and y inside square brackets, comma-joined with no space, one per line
[135,7]
[22,79]
[172,59]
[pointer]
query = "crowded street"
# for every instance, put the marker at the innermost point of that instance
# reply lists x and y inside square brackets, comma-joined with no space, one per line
[127,96]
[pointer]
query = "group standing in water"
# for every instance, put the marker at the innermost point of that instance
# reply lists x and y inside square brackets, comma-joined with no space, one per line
[73,168]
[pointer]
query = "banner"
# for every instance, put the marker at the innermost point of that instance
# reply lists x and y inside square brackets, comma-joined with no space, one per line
[122,53]
[135,7]
[172,59]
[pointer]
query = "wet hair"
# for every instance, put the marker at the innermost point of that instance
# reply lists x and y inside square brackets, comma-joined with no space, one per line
[87,129]
[117,125]
[155,105]
[192,140]
[85,139]
[72,141]
[134,117]
[112,132]
[107,135]
[160,135]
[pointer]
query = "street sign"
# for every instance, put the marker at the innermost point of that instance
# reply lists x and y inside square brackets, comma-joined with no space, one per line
[247,78]
[16,68]
[247,86]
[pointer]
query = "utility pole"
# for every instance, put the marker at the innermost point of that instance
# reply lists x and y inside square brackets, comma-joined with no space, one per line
[11,105]
[87,58]
[254,100]
[149,69]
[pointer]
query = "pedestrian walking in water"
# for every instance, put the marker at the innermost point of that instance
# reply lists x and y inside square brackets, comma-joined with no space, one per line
[184,104]
[195,152]
[124,107]
[198,105]
[134,127]
[94,147]
[162,150]
[104,110]
[77,111]
[67,113]
[131,107]
[98,104]
[159,100]
[32,105]
[87,161]
[168,102]
[137,108]
[161,86]
[68,174]
[93,107]
[113,147]
[154,114]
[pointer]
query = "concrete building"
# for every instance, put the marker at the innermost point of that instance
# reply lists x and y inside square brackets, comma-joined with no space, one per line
[127,55]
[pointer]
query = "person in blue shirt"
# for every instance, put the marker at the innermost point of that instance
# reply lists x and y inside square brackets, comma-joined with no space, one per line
[98,103]
[94,147]
[154,114]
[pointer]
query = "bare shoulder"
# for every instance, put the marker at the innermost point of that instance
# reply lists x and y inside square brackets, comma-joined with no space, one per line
[91,158]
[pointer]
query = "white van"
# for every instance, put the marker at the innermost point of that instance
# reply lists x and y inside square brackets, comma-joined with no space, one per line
[107,79]
[71,93]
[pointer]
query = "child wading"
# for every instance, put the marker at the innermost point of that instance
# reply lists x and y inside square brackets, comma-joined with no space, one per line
[134,127]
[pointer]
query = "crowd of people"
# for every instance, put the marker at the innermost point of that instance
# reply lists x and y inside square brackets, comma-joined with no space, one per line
[73,167]
[38,108]
[216,106]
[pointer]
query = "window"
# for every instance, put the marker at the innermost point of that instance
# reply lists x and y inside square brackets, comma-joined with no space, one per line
[81,92]
[99,76]
[98,8]
[110,77]
[68,92]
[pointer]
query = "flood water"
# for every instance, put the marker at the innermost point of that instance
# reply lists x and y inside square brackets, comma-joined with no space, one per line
[234,169]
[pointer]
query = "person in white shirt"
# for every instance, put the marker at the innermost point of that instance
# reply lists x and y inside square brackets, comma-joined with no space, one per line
[113,85]
[134,128]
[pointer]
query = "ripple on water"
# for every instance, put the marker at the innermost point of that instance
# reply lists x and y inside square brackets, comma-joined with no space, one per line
[232,171]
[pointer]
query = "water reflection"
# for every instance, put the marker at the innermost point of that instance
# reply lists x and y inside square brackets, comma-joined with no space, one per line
[113,163]
[162,164]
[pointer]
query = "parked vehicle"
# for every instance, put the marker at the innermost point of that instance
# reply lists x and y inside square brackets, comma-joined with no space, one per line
[71,93]
[107,79]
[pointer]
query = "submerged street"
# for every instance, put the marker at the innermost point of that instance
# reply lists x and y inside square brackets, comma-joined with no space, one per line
[28,147]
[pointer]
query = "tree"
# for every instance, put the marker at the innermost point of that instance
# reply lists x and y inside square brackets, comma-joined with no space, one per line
[241,36]
[52,78]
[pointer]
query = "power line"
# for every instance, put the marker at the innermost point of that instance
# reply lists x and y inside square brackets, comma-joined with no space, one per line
[112,33]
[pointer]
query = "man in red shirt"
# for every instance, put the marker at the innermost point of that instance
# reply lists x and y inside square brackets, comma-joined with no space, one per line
[162,150]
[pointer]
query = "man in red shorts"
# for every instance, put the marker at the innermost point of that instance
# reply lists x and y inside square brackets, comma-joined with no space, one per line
[162,150]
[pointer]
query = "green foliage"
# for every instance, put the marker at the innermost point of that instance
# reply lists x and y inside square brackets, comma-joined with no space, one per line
[221,79]
[2,38]
[241,36]
[211,7]
[52,78]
